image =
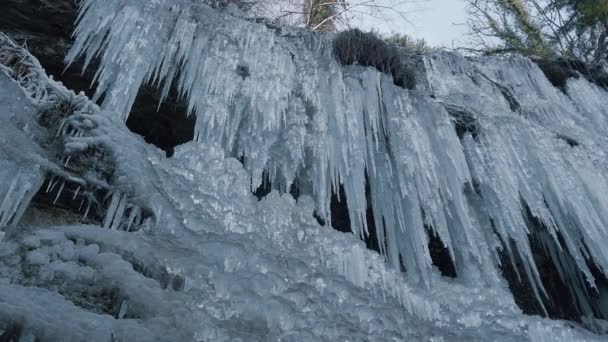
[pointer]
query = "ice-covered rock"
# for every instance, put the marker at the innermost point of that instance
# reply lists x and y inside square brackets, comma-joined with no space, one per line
[38,258]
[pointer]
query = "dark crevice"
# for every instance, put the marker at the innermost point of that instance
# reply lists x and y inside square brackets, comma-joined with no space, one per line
[440,255]
[542,243]
[374,243]
[265,188]
[340,219]
[243,71]
[12,333]
[294,189]
[319,218]
[514,105]
[96,299]
[464,121]
[508,95]
[570,141]
[86,294]
[519,284]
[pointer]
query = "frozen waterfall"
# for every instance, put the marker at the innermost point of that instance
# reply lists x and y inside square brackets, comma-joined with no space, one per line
[484,154]
[299,115]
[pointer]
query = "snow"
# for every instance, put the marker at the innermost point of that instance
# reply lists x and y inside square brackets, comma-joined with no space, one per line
[186,252]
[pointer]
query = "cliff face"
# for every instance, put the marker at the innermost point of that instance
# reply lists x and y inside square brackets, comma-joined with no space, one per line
[484,170]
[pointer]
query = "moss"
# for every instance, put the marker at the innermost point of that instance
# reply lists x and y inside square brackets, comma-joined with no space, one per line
[367,49]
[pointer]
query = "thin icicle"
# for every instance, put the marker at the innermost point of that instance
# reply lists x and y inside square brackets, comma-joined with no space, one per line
[59,193]
[112,208]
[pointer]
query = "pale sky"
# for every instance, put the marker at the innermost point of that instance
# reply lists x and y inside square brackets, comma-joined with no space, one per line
[440,22]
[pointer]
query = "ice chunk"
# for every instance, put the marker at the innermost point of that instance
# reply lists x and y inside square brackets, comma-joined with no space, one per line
[38,258]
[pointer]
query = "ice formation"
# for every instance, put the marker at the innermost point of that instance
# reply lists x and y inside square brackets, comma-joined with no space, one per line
[478,154]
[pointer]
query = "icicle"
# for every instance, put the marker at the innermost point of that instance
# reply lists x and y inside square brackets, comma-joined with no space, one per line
[133,217]
[119,212]
[76,194]
[60,129]
[123,309]
[112,208]
[50,184]
[86,212]
[59,193]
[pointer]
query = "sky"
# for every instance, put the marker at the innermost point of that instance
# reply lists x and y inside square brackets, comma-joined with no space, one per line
[439,22]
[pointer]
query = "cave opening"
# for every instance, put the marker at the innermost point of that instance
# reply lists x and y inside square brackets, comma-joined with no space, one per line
[166,125]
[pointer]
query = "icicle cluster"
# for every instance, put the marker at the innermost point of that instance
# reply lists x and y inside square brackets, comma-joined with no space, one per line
[276,97]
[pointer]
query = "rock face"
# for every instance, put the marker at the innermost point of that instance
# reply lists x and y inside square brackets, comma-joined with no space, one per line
[46,26]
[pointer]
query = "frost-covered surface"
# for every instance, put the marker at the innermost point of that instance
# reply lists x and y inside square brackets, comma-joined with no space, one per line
[214,264]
